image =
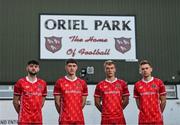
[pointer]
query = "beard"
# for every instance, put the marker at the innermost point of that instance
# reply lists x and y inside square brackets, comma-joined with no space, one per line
[32,73]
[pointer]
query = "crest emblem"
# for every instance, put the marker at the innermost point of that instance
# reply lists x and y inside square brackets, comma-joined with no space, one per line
[40,86]
[118,85]
[78,84]
[153,86]
[53,44]
[122,44]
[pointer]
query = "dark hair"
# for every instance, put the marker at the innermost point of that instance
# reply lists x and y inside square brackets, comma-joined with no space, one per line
[33,62]
[71,61]
[143,62]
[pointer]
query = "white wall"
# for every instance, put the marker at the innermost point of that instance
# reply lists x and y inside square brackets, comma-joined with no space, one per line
[92,115]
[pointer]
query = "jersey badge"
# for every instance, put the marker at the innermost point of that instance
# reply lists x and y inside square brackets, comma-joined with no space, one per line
[78,84]
[153,86]
[40,86]
[118,86]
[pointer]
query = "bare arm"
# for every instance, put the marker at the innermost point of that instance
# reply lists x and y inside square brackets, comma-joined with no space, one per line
[16,103]
[84,101]
[57,102]
[125,101]
[163,102]
[137,103]
[97,101]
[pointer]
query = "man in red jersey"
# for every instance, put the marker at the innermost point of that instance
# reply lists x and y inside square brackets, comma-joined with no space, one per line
[150,95]
[114,95]
[29,96]
[70,94]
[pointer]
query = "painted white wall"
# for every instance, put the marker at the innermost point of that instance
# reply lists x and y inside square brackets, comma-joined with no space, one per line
[91,114]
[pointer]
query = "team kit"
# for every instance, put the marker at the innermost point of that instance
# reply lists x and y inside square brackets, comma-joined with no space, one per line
[111,96]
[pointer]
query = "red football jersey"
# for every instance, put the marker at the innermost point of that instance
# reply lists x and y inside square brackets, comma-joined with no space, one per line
[111,94]
[71,92]
[148,94]
[31,100]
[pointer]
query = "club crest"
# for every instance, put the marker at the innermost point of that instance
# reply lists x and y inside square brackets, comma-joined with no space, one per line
[40,87]
[122,44]
[118,85]
[78,84]
[53,44]
[153,86]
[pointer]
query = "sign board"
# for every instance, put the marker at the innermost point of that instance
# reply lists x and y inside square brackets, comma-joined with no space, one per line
[87,37]
[171,91]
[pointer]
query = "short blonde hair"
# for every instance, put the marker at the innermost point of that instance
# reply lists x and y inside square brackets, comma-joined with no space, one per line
[109,62]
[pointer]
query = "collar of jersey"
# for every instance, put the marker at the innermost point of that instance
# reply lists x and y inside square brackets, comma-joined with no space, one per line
[72,80]
[31,81]
[148,81]
[111,81]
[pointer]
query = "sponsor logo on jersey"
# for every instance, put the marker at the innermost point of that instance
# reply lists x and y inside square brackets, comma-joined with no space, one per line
[33,93]
[53,44]
[147,93]
[111,92]
[122,44]
[73,91]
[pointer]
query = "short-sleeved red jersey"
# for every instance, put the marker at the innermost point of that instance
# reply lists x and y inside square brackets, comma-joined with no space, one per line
[71,92]
[148,94]
[31,95]
[111,94]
